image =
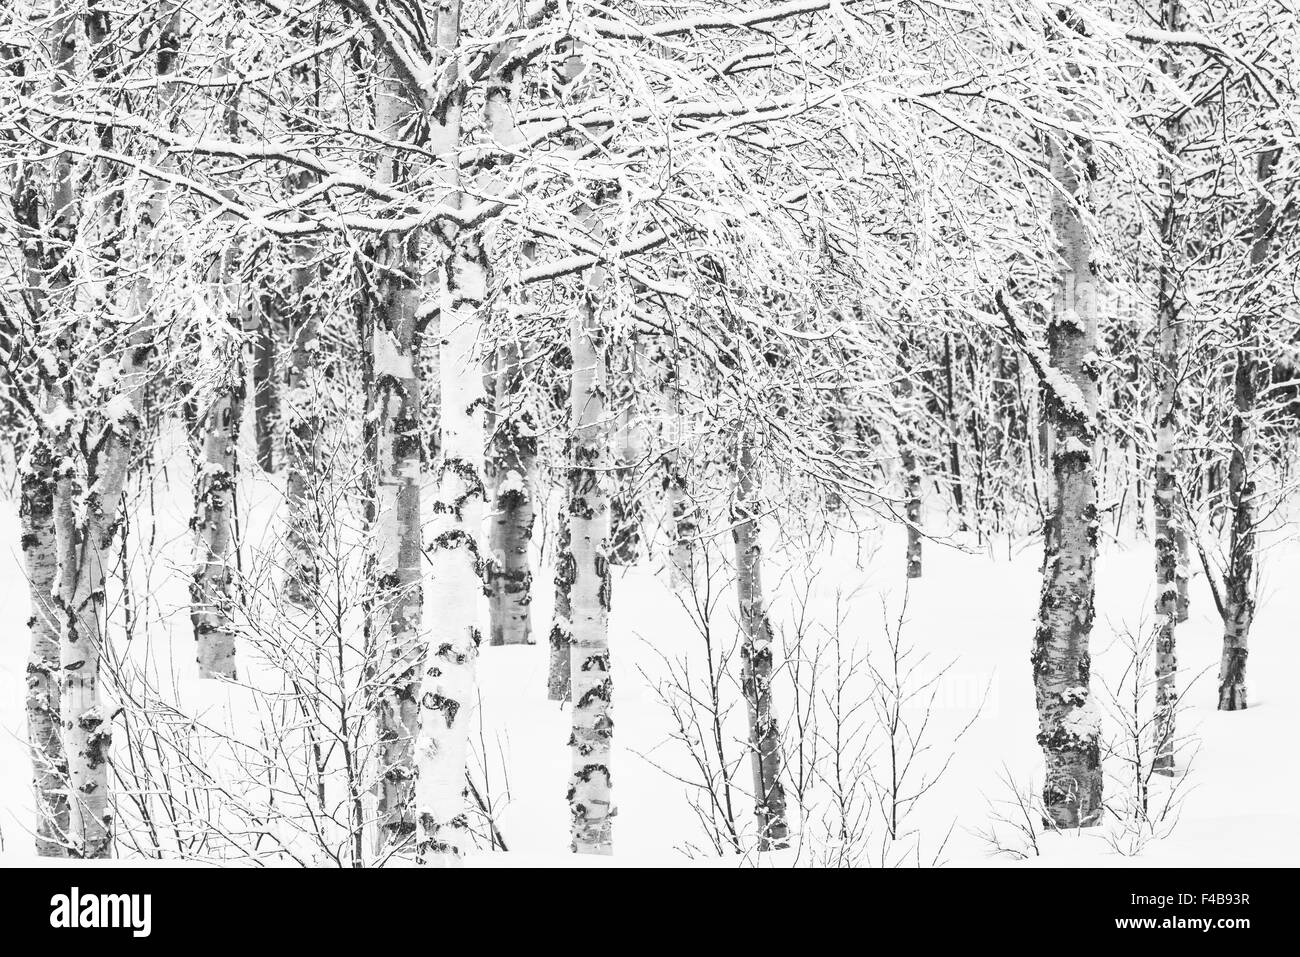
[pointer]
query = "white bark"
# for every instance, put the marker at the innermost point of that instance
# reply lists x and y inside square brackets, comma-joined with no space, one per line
[561,637]
[215,479]
[86,522]
[514,450]
[40,563]
[908,461]
[756,657]
[1068,729]
[459,550]
[1170,299]
[301,445]
[398,473]
[214,505]
[48,282]
[1239,584]
[683,525]
[513,438]
[628,440]
[590,800]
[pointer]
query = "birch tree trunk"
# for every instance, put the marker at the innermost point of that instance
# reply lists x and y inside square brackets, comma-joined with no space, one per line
[561,634]
[47,253]
[681,556]
[213,522]
[1168,307]
[912,498]
[514,450]
[1183,606]
[86,522]
[47,278]
[756,657]
[561,637]
[907,454]
[87,730]
[1166,545]
[398,472]
[682,511]
[954,428]
[457,557]
[458,552]
[1067,718]
[215,478]
[266,385]
[301,450]
[626,508]
[1239,597]
[84,542]
[590,799]
[299,312]
[513,443]
[40,562]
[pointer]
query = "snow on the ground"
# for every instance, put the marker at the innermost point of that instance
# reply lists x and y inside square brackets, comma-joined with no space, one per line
[973,610]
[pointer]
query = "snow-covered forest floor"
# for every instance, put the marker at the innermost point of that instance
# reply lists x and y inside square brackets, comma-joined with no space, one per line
[967,627]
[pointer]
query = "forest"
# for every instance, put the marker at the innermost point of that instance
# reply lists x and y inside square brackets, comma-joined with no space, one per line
[811,433]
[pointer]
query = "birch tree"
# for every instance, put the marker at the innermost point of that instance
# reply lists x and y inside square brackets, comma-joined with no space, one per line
[514,446]
[560,639]
[1068,723]
[1238,604]
[394,402]
[459,549]
[590,787]
[36,517]
[44,211]
[87,499]
[1170,303]
[513,439]
[214,508]
[756,654]
[217,468]
[909,465]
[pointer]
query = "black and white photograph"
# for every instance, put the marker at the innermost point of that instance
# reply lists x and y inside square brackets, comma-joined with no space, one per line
[695,434]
